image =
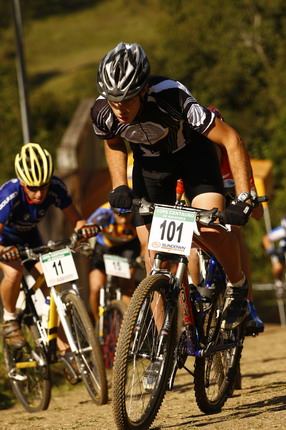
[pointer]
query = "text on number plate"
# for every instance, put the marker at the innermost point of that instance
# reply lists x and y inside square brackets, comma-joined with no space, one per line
[58,267]
[117,266]
[172,230]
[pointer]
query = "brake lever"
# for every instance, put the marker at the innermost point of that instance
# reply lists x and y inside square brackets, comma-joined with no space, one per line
[29,255]
[73,240]
[144,207]
[206,217]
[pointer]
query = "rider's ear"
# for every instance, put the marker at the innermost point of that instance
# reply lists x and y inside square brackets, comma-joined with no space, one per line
[144,90]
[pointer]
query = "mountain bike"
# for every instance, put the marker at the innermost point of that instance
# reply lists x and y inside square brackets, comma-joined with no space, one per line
[280,286]
[148,353]
[111,306]
[28,367]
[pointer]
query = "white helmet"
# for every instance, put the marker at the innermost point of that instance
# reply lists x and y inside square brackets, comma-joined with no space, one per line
[123,72]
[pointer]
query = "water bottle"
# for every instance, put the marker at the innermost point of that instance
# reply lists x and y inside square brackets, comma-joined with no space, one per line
[46,312]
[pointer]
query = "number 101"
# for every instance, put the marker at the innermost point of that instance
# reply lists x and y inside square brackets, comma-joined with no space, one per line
[170,230]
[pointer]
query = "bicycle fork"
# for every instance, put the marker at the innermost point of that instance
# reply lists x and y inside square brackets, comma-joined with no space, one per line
[61,310]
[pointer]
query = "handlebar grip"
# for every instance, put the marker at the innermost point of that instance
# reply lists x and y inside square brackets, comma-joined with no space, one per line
[136,202]
[262,199]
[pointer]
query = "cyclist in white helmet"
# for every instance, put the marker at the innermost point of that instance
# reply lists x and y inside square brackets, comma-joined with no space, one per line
[23,203]
[171,136]
[275,245]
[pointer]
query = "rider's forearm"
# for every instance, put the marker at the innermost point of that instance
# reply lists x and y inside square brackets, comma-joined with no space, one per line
[239,164]
[223,134]
[116,157]
[74,216]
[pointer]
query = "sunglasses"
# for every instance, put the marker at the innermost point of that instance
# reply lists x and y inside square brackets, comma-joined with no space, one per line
[34,189]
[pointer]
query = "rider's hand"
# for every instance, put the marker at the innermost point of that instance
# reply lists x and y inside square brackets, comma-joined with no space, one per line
[121,197]
[10,253]
[237,214]
[257,212]
[272,251]
[88,231]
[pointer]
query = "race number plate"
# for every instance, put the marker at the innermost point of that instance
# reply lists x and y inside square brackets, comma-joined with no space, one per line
[172,230]
[58,267]
[117,266]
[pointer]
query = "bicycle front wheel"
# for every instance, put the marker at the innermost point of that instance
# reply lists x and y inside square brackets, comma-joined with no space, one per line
[214,375]
[88,356]
[28,370]
[113,317]
[143,356]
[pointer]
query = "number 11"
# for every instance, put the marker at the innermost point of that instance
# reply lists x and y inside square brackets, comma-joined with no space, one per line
[59,265]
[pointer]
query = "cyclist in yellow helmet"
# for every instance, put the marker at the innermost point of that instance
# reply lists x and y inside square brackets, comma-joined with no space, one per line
[24,201]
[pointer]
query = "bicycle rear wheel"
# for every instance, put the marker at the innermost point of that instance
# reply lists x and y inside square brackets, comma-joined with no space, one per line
[214,375]
[113,317]
[137,395]
[88,357]
[28,370]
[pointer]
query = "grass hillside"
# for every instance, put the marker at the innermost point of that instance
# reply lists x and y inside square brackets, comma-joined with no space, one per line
[63,52]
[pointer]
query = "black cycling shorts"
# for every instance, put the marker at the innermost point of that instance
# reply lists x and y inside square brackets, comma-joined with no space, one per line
[155,178]
[130,250]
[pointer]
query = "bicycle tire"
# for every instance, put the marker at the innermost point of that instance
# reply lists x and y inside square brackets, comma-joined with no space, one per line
[89,357]
[134,406]
[113,317]
[214,376]
[33,390]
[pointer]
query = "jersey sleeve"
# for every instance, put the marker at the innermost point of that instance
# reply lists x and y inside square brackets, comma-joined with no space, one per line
[197,116]
[62,199]
[102,119]
[8,196]
[101,216]
[277,233]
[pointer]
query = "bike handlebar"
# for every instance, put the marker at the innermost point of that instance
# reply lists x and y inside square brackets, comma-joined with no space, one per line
[204,216]
[76,239]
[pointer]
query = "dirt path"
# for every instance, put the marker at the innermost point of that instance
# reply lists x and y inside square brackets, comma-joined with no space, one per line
[261,404]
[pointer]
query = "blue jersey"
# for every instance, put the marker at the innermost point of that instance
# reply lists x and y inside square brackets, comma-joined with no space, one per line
[103,217]
[21,216]
[113,234]
[278,233]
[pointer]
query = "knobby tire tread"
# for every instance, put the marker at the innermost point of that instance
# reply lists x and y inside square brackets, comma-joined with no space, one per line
[205,404]
[110,336]
[120,364]
[101,396]
[31,334]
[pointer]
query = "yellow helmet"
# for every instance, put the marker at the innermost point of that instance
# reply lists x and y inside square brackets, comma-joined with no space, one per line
[34,165]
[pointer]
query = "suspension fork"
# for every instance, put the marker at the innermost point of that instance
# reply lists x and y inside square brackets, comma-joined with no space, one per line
[61,310]
[171,306]
[30,309]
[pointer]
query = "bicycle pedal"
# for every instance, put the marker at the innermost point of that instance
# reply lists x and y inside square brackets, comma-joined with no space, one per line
[70,372]
[12,374]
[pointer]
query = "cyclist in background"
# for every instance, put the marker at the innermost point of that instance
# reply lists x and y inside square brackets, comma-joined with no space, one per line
[118,237]
[253,323]
[24,201]
[277,254]
[171,136]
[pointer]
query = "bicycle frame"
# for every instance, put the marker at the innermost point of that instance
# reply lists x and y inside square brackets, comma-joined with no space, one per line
[48,338]
[105,297]
[192,318]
